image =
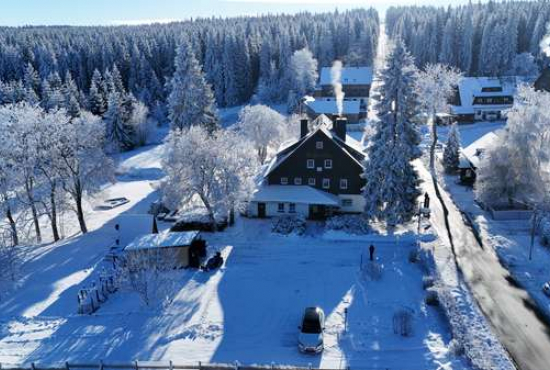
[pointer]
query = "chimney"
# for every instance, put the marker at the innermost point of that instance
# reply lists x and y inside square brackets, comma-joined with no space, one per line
[340,128]
[303,127]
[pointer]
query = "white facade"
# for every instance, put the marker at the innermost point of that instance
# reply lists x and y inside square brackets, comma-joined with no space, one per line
[352,203]
[273,209]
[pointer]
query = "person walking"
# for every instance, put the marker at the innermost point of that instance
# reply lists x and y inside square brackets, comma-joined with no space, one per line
[371,252]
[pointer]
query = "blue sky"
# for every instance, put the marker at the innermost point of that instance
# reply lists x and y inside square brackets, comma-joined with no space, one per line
[108,12]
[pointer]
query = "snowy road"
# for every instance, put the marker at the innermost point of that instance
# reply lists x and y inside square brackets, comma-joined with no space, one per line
[508,308]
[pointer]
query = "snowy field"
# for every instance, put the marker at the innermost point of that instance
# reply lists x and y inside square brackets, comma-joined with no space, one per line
[249,311]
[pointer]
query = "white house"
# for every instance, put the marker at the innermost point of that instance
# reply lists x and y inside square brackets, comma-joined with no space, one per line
[483,98]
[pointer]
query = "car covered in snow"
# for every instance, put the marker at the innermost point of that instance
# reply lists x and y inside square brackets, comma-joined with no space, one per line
[546,289]
[311,337]
[114,202]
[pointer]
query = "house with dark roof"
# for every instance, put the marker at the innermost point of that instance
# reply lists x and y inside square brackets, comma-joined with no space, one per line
[317,175]
[483,99]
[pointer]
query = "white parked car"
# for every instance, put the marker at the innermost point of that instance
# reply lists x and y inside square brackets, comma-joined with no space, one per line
[114,202]
[311,338]
[546,289]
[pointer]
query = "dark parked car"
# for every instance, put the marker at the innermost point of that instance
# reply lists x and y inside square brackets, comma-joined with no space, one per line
[311,338]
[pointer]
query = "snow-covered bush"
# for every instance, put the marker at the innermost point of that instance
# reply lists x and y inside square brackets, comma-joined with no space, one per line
[403,322]
[351,224]
[287,225]
[373,271]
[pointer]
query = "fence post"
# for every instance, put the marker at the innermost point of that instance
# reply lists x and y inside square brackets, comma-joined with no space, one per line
[100,364]
[32,366]
[67,365]
[171,365]
[136,365]
[236,365]
[200,365]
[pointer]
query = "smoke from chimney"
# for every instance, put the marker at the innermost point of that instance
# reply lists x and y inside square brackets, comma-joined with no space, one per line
[336,75]
[545,42]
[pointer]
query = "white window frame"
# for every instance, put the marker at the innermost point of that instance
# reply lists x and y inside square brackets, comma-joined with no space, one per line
[343,184]
[311,181]
[281,209]
[326,183]
[297,181]
[328,163]
[311,164]
[284,180]
[291,207]
[319,145]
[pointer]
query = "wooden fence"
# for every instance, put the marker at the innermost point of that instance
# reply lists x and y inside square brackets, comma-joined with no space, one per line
[161,366]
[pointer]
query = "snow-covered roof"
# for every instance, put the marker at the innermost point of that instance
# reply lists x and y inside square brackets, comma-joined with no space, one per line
[350,76]
[471,87]
[473,154]
[347,146]
[329,106]
[162,240]
[294,194]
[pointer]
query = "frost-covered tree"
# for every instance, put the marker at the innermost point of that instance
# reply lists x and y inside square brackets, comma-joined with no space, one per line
[213,168]
[524,65]
[84,165]
[451,155]
[391,188]
[435,86]
[191,101]
[303,76]
[96,96]
[515,168]
[262,126]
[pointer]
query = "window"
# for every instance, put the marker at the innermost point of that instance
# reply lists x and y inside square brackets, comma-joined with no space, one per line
[328,163]
[347,202]
[311,181]
[281,207]
[311,163]
[343,183]
[297,181]
[326,183]
[284,180]
[319,145]
[292,208]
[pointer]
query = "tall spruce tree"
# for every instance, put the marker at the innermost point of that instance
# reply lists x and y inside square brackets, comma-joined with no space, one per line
[391,188]
[451,155]
[191,101]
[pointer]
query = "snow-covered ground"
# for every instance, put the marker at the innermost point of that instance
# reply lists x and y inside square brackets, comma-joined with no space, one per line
[248,311]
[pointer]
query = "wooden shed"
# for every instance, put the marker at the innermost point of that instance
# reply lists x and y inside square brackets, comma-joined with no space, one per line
[170,249]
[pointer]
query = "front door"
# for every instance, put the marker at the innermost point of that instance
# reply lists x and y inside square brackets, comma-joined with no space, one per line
[317,212]
[261,210]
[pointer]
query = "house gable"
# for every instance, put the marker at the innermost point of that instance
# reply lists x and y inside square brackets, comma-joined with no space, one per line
[331,158]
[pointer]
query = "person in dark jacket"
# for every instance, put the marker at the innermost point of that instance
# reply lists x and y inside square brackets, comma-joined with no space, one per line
[371,252]
[215,262]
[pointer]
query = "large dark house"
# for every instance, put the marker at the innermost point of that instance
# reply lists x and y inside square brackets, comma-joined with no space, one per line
[543,82]
[316,176]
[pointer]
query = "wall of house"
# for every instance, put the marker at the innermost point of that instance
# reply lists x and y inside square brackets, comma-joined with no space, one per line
[357,206]
[272,209]
[356,91]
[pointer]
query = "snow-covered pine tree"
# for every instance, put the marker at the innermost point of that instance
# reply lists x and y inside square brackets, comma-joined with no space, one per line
[191,101]
[451,155]
[118,135]
[96,98]
[302,76]
[391,188]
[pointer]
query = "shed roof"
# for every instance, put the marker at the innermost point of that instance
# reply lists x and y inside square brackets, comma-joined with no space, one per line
[350,76]
[163,240]
[472,155]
